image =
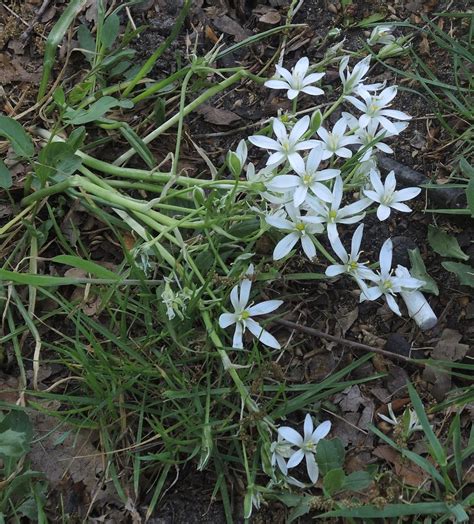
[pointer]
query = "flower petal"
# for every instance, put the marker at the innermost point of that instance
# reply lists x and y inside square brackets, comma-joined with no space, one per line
[308,247]
[290,435]
[295,459]
[284,73]
[245,287]
[234,297]
[285,245]
[406,194]
[279,129]
[392,304]
[299,129]
[385,257]
[276,84]
[356,242]
[308,427]
[383,212]
[264,307]
[237,342]
[312,90]
[301,67]
[262,335]
[227,319]
[321,431]
[264,142]
[312,467]
[334,270]
[283,182]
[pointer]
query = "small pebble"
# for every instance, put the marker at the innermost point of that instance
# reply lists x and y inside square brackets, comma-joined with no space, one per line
[398,344]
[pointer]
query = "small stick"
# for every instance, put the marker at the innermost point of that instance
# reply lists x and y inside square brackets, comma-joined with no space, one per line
[344,341]
[26,34]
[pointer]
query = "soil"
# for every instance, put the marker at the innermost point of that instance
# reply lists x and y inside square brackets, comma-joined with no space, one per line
[424,147]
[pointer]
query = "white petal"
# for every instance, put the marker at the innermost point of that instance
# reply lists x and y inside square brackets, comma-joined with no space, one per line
[390,182]
[385,256]
[285,245]
[321,431]
[327,174]
[279,129]
[357,103]
[343,152]
[262,335]
[306,144]
[245,287]
[264,142]
[312,467]
[296,162]
[308,427]
[264,307]
[301,67]
[275,159]
[338,248]
[337,192]
[312,90]
[282,464]
[334,270]
[356,241]
[392,304]
[376,182]
[284,73]
[406,194]
[278,222]
[313,77]
[322,133]
[398,115]
[386,124]
[284,182]
[370,293]
[308,247]
[300,195]
[383,212]
[276,84]
[299,129]
[400,207]
[234,297]
[340,127]
[296,458]
[292,94]
[227,319]
[237,341]
[372,195]
[321,191]
[290,435]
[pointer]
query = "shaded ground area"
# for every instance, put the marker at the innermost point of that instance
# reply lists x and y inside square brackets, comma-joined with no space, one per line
[425,147]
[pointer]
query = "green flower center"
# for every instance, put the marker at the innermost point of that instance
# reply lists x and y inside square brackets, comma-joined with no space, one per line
[300,226]
[352,265]
[332,215]
[307,180]
[245,315]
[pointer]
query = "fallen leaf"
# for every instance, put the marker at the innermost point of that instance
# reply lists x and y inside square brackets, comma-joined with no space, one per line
[345,321]
[267,15]
[448,346]
[214,115]
[410,473]
[231,27]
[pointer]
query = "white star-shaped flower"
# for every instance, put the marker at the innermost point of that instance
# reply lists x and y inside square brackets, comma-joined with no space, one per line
[308,178]
[306,444]
[242,316]
[374,109]
[298,227]
[332,213]
[381,34]
[286,146]
[296,81]
[350,262]
[386,283]
[386,195]
[335,142]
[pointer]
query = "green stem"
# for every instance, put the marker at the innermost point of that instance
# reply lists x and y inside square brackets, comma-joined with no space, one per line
[324,251]
[331,110]
[188,109]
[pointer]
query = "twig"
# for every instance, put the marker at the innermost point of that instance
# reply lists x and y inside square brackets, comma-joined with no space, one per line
[344,341]
[26,34]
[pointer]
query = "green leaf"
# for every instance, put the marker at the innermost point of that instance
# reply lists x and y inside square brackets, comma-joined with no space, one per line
[138,145]
[330,455]
[15,434]
[464,272]
[334,480]
[17,136]
[85,265]
[418,270]
[86,42]
[5,176]
[95,110]
[76,138]
[357,481]
[110,30]
[444,244]
[372,19]
[390,511]
[468,170]
[316,121]
[56,158]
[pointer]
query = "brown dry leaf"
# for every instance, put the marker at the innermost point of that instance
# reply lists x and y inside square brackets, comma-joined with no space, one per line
[13,71]
[410,473]
[225,24]
[424,46]
[345,321]
[9,387]
[448,346]
[214,115]
[60,451]
[210,34]
[267,15]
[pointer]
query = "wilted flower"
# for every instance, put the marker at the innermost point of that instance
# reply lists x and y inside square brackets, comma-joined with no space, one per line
[413,420]
[298,227]
[280,451]
[296,80]
[386,283]
[242,316]
[306,445]
[386,196]
[286,146]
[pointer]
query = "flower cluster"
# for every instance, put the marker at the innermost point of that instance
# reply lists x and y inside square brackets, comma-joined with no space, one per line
[311,172]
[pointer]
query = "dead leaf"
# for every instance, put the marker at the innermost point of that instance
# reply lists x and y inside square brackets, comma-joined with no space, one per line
[345,321]
[424,46]
[216,116]
[231,27]
[448,346]
[211,35]
[267,15]
[411,474]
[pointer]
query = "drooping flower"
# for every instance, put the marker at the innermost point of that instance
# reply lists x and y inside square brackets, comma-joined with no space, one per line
[298,228]
[307,179]
[242,316]
[386,195]
[386,283]
[413,422]
[417,305]
[286,146]
[335,142]
[350,262]
[236,159]
[332,213]
[381,34]
[296,81]
[280,450]
[352,79]
[374,109]
[306,444]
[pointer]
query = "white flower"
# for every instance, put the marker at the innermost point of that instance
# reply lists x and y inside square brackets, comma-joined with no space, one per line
[296,81]
[333,143]
[306,445]
[236,160]
[286,146]
[333,214]
[308,178]
[242,316]
[386,196]
[374,109]
[352,79]
[413,420]
[350,263]
[280,450]
[299,227]
[385,283]
[418,308]
[381,34]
